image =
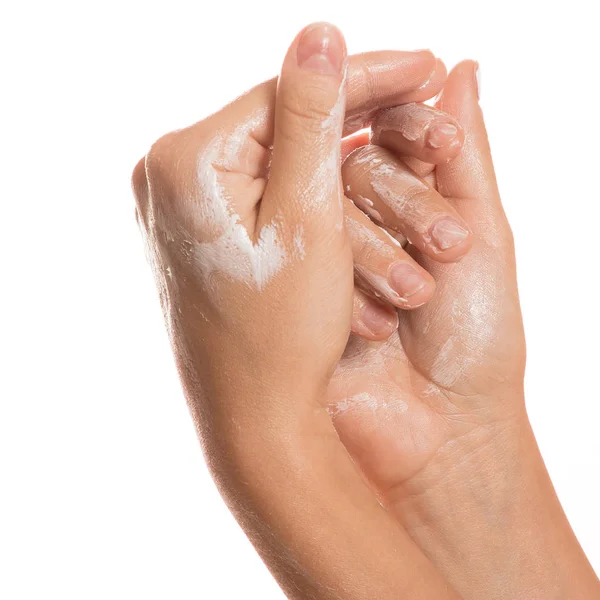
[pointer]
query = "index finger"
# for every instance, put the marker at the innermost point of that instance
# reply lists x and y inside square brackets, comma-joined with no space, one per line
[375,80]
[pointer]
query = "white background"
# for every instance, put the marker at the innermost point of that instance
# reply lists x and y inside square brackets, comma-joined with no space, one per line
[103,489]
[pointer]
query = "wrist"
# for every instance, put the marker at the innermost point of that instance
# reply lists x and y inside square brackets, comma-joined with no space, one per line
[298,497]
[488,500]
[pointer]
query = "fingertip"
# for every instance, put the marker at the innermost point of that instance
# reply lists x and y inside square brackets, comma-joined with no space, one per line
[321,48]
[448,239]
[418,131]
[446,137]
[432,85]
[309,117]
[353,142]
[371,319]
[414,285]
[471,173]
[455,253]
[463,82]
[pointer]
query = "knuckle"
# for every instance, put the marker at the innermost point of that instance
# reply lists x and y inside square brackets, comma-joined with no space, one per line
[369,80]
[361,163]
[170,168]
[417,194]
[162,159]
[307,108]
[420,205]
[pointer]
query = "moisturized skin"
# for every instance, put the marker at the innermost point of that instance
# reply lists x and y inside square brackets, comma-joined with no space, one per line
[254,266]
[231,173]
[435,416]
[255,254]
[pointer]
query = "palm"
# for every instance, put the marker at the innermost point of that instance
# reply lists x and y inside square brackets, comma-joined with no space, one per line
[379,405]
[397,404]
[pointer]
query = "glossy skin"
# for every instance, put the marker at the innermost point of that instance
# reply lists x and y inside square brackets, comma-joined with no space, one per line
[435,415]
[229,281]
[444,393]
[448,359]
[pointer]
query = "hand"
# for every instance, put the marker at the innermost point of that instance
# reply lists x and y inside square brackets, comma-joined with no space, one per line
[435,416]
[256,282]
[414,210]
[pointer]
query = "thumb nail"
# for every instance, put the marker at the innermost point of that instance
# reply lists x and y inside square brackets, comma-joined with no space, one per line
[322,49]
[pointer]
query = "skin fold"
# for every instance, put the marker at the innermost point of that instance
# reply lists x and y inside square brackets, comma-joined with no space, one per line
[396,461]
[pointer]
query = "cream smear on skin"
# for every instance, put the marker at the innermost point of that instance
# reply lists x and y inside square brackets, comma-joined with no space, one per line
[367,402]
[383,185]
[474,324]
[233,252]
[411,122]
[219,246]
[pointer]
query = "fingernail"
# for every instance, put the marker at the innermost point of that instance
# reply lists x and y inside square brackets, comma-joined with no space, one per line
[447,233]
[478,80]
[322,49]
[378,320]
[405,279]
[440,134]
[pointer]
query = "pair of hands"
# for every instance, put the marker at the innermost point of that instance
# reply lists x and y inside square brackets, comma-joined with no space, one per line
[398,459]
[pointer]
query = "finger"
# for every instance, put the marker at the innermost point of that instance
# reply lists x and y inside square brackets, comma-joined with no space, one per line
[240,136]
[419,131]
[382,268]
[428,89]
[375,80]
[470,179]
[479,295]
[309,115]
[424,170]
[378,80]
[371,319]
[351,143]
[383,187]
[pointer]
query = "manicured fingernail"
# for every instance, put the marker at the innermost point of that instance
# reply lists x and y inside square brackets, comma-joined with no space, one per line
[377,320]
[322,49]
[447,233]
[478,80]
[440,134]
[405,279]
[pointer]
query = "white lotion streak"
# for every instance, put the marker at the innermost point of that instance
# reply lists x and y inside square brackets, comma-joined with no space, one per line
[367,402]
[232,252]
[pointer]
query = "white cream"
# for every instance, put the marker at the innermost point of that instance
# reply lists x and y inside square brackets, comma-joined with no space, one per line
[232,252]
[368,402]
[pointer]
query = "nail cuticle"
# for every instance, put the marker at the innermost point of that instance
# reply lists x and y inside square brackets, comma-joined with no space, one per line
[448,233]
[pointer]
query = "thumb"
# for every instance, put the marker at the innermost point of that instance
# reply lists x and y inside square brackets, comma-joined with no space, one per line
[305,179]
